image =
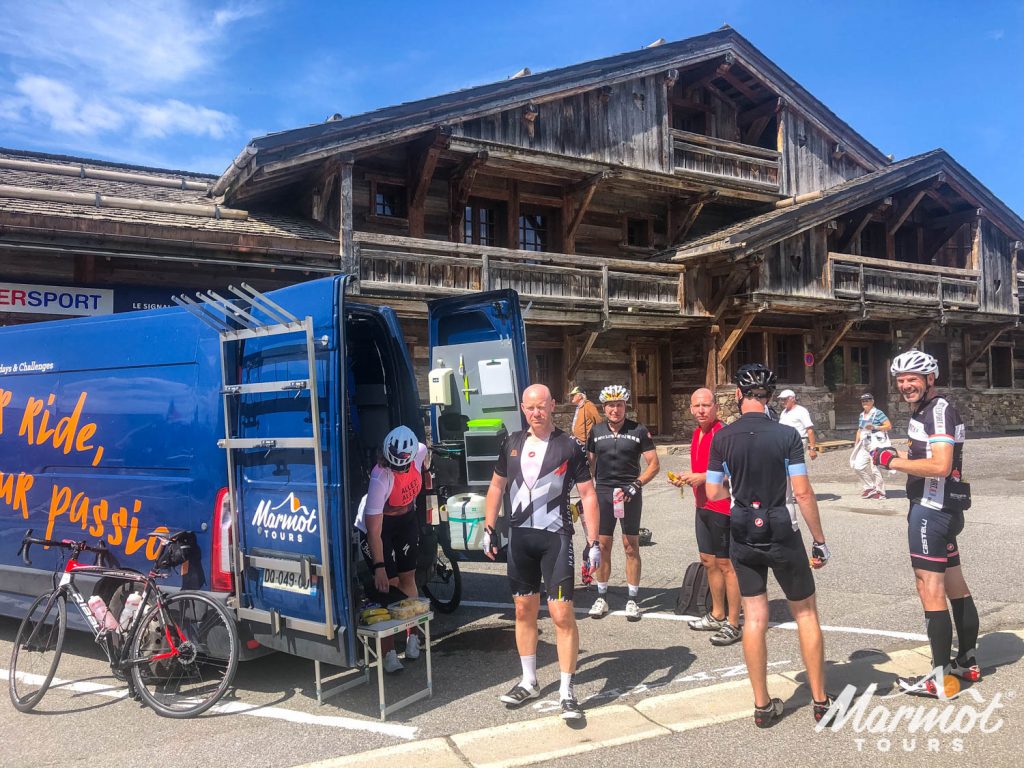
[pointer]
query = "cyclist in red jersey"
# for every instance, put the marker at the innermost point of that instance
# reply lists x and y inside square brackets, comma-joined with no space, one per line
[712,525]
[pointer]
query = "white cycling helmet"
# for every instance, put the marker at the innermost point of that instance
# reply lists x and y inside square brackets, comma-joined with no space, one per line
[614,393]
[914,361]
[400,446]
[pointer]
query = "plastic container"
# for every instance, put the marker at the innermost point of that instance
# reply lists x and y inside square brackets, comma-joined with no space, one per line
[99,610]
[131,607]
[475,424]
[618,504]
[411,606]
[466,521]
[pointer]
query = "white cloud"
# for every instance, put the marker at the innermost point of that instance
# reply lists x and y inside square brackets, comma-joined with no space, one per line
[59,105]
[996,34]
[127,46]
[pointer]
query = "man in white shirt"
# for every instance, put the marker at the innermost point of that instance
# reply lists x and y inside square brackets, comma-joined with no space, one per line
[797,417]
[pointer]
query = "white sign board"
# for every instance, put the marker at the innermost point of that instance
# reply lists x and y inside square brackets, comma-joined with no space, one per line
[55,300]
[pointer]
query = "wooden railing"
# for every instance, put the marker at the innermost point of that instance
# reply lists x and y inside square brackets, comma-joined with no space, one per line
[867,279]
[693,153]
[419,268]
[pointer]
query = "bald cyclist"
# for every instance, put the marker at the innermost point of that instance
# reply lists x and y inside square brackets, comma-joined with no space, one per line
[712,527]
[538,467]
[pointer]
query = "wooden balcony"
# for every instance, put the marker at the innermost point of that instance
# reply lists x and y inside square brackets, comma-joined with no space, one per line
[414,268]
[896,282]
[725,161]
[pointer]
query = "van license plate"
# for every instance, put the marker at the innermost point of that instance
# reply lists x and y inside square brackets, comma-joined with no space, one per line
[288,581]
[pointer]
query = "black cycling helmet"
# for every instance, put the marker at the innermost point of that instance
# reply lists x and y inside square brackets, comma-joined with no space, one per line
[755,376]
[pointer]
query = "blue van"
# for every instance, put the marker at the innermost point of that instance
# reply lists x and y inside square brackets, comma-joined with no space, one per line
[252,420]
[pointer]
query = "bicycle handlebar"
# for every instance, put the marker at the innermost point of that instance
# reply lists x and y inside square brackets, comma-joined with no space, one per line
[77,546]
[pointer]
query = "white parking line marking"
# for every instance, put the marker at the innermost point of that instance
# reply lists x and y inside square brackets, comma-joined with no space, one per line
[674,617]
[238,708]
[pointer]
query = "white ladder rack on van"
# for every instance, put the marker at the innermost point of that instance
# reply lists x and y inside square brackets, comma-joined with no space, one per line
[236,320]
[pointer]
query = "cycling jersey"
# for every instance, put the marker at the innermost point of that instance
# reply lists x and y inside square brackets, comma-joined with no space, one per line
[544,503]
[934,421]
[617,454]
[758,455]
[700,451]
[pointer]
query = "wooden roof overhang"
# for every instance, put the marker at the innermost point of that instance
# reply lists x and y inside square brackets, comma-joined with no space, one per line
[284,157]
[760,232]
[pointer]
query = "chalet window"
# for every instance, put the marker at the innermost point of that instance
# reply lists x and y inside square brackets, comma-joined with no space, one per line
[788,357]
[1001,367]
[535,231]
[749,349]
[860,365]
[638,232]
[481,224]
[388,200]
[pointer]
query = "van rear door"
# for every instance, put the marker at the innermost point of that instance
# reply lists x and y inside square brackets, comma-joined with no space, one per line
[481,340]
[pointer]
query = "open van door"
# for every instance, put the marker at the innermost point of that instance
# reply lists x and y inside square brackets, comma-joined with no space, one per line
[478,372]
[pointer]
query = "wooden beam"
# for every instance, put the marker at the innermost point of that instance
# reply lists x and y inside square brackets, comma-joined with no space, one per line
[835,338]
[421,171]
[976,242]
[711,353]
[346,219]
[721,300]
[956,217]
[585,191]
[460,186]
[854,233]
[901,215]
[767,108]
[696,204]
[587,345]
[918,337]
[706,72]
[739,85]
[935,239]
[753,134]
[988,341]
[734,336]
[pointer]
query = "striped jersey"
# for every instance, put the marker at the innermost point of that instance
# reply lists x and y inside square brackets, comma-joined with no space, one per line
[934,421]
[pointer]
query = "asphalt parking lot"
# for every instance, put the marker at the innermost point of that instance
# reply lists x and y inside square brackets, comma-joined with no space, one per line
[866,597]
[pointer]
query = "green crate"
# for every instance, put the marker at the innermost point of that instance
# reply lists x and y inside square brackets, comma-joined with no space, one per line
[483,424]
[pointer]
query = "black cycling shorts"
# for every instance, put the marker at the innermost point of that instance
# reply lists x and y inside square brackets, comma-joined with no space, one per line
[931,534]
[534,554]
[788,560]
[630,519]
[400,535]
[712,532]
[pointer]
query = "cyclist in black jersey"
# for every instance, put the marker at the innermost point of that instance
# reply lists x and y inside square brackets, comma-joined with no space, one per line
[759,456]
[538,467]
[614,448]
[938,498]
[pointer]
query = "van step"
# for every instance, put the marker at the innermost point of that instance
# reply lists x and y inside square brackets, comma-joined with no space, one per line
[266,386]
[267,443]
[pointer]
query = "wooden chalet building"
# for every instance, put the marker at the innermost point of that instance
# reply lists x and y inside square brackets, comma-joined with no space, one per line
[665,214]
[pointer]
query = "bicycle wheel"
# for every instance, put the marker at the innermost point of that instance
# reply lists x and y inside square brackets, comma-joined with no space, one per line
[37,649]
[444,583]
[183,654]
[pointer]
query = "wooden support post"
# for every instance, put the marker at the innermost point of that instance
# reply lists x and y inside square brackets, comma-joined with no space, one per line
[485,272]
[850,236]
[421,171]
[512,214]
[976,243]
[900,215]
[711,378]
[587,345]
[835,338]
[734,336]
[348,256]
[572,215]
[459,189]
[984,344]
[918,337]
[681,292]
[690,217]
[720,303]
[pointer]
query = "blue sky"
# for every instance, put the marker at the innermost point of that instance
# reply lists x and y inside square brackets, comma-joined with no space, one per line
[185,84]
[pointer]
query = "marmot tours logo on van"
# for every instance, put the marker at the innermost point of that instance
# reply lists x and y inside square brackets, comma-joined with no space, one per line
[286,521]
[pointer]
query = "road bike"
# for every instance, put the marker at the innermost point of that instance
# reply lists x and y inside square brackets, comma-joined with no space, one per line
[178,652]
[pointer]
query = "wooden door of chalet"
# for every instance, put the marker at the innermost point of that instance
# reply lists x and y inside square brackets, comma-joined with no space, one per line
[851,370]
[645,364]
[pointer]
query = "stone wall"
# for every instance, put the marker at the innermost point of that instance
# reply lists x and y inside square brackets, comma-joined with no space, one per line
[982,410]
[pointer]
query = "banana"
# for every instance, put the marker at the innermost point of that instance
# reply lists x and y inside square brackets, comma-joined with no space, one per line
[370,613]
[376,619]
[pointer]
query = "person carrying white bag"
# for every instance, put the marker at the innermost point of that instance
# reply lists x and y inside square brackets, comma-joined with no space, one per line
[872,433]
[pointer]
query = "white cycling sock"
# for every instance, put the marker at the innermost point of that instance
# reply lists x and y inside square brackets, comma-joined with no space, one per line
[634,589]
[529,670]
[602,587]
[565,689]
